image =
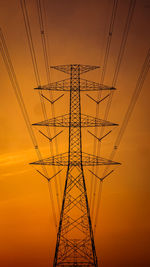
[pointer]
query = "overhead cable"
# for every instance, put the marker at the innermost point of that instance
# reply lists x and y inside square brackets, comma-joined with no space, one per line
[37,77]
[135,95]
[19,97]
[116,72]
[47,68]
[108,44]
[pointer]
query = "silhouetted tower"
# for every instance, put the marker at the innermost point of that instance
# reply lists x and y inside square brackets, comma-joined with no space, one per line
[75,242]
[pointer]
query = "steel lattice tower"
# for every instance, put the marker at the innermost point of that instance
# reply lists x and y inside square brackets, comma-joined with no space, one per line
[75,242]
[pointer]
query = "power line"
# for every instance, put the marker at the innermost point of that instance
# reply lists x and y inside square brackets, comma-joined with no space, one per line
[18,94]
[117,68]
[37,77]
[120,55]
[136,93]
[47,68]
[109,38]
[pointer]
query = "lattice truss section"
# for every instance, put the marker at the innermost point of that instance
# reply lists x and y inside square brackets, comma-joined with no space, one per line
[85,85]
[80,68]
[75,228]
[75,117]
[87,159]
[86,121]
[75,238]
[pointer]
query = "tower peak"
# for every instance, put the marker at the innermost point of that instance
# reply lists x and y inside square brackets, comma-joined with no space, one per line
[68,68]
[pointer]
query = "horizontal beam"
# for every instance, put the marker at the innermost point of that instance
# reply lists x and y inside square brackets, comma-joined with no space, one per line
[87,160]
[68,68]
[85,85]
[86,121]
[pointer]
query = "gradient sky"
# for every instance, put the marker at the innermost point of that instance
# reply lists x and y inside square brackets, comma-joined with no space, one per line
[77,33]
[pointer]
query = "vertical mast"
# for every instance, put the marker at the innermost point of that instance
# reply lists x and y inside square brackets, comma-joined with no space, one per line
[75,242]
[75,116]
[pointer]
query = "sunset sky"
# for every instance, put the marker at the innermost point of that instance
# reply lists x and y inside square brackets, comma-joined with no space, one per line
[77,32]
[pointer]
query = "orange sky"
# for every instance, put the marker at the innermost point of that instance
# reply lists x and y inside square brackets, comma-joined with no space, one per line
[77,32]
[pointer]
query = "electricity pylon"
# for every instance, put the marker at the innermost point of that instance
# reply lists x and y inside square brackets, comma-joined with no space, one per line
[75,241]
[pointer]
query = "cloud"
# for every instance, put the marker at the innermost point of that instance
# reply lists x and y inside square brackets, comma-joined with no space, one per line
[6,174]
[16,158]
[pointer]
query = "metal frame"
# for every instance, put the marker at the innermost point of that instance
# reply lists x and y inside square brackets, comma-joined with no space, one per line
[75,241]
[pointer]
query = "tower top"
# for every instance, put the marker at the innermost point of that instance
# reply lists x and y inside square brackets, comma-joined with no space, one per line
[67,68]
